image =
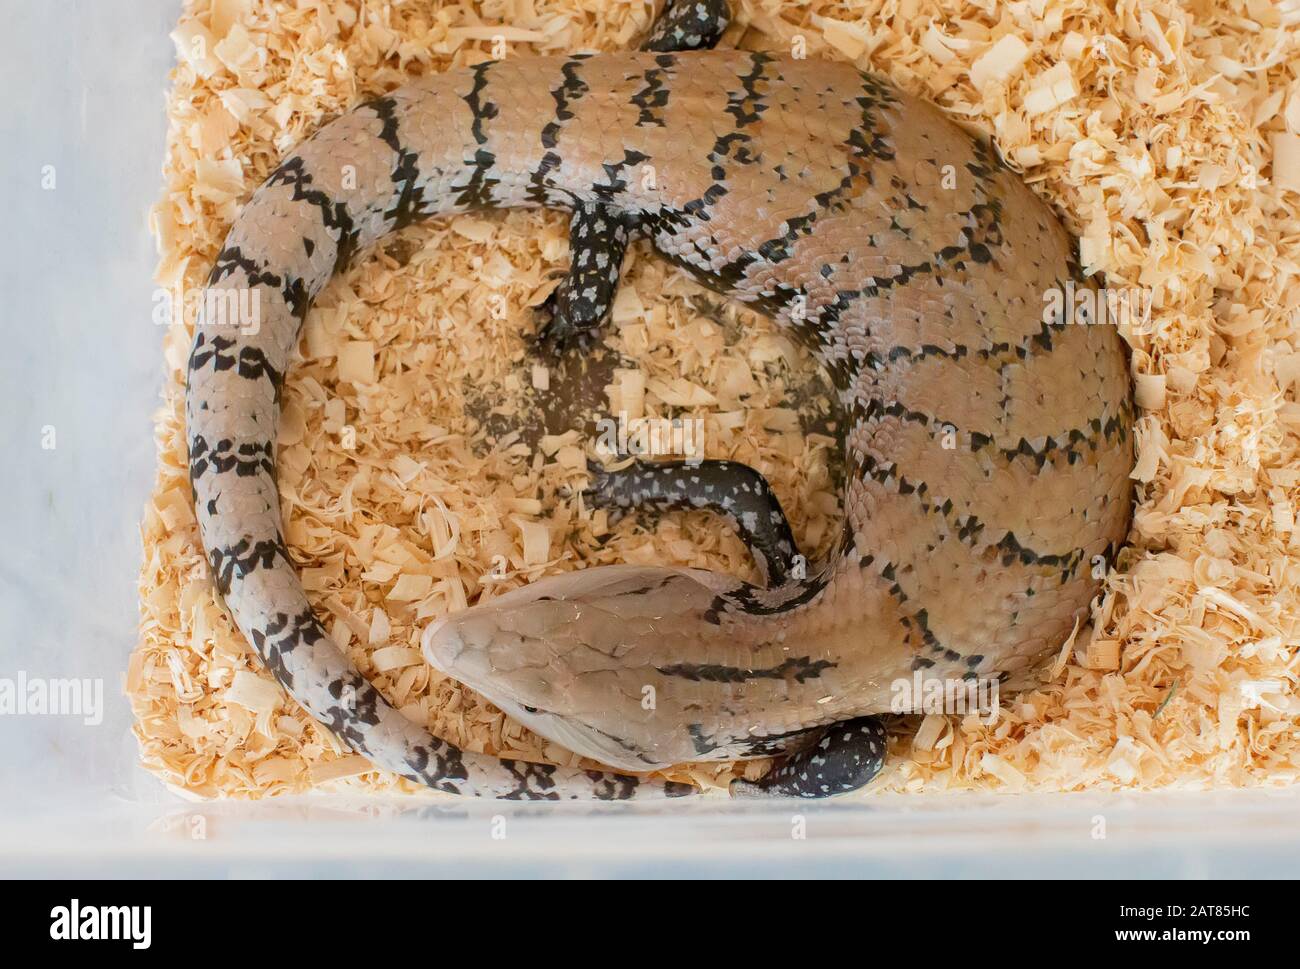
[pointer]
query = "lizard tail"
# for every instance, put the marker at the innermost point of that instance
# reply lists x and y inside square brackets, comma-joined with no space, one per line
[350,184]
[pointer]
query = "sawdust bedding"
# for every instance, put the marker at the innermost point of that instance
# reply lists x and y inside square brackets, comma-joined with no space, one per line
[417,476]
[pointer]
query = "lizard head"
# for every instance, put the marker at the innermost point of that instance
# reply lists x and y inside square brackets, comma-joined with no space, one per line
[579,658]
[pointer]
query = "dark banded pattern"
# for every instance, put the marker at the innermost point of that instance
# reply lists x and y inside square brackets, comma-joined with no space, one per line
[988,446]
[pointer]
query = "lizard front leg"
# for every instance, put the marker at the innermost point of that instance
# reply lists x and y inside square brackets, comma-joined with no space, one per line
[845,758]
[728,488]
[820,762]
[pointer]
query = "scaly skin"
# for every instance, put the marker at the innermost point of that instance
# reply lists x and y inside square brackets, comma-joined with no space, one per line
[815,193]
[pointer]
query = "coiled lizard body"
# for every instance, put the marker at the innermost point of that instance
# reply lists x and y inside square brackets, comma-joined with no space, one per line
[988,444]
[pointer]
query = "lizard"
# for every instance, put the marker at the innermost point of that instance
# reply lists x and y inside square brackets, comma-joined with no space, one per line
[988,441]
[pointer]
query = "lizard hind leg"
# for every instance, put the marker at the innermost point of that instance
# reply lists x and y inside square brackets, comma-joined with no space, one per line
[581,304]
[688,25]
[598,233]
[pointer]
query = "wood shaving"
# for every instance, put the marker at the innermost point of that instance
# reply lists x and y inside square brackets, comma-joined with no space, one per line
[1168,136]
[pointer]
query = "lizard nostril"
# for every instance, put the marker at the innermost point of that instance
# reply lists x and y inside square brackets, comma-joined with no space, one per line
[441,641]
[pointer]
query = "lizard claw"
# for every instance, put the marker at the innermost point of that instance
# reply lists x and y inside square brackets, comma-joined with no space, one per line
[557,335]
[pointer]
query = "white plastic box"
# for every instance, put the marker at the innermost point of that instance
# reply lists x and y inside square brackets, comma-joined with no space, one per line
[80,359]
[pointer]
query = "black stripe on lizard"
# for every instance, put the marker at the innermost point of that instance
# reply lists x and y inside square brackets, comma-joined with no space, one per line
[478,190]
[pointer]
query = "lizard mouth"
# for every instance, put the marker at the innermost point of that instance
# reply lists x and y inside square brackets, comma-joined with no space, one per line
[472,647]
[544,646]
[571,657]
